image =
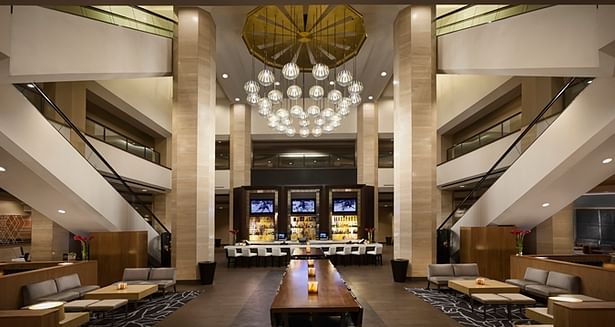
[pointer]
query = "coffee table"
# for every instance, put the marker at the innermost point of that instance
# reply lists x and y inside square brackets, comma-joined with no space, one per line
[469,286]
[131,292]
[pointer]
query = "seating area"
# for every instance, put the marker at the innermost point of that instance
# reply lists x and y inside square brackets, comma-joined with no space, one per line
[163,277]
[440,274]
[543,284]
[279,254]
[65,288]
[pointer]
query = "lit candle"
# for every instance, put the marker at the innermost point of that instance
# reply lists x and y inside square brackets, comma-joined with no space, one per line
[310,263]
[312,272]
[312,287]
[308,249]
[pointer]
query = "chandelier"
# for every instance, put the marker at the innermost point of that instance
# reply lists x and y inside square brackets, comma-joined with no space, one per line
[304,87]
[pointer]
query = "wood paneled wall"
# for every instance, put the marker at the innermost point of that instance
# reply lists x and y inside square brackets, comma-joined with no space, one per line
[115,251]
[11,285]
[490,247]
[595,281]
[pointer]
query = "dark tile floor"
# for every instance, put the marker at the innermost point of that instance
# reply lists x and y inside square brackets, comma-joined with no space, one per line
[242,296]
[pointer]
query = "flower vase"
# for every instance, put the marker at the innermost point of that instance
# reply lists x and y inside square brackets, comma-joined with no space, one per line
[84,251]
[519,251]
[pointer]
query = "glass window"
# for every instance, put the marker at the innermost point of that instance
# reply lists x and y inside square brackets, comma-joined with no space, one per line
[222,155]
[385,153]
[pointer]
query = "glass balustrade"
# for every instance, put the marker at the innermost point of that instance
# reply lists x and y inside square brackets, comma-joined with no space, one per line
[307,160]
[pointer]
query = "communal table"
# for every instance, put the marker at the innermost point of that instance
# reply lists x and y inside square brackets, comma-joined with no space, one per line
[301,253]
[469,286]
[131,292]
[333,298]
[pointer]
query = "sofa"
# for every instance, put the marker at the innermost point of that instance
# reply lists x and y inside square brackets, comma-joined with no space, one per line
[163,277]
[543,284]
[65,288]
[440,274]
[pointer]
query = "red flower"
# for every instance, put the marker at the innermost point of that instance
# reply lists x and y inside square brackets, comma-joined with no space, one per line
[82,238]
[520,231]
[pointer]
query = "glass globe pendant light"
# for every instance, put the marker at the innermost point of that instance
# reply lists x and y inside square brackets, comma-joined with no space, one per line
[316,92]
[264,106]
[344,103]
[313,110]
[334,96]
[328,128]
[290,131]
[355,87]
[266,77]
[304,132]
[320,71]
[327,112]
[275,96]
[273,123]
[344,78]
[355,99]
[296,110]
[316,131]
[286,121]
[281,128]
[319,121]
[290,71]
[252,98]
[344,111]
[294,92]
[304,123]
[282,113]
[251,87]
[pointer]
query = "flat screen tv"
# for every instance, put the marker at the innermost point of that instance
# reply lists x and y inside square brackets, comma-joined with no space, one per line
[344,205]
[303,206]
[259,207]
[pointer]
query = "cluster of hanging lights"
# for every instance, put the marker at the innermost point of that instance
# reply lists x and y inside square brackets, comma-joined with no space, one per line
[279,95]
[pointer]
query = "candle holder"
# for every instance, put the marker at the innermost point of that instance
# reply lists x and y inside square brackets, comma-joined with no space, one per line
[122,285]
[308,249]
[312,287]
[480,281]
[311,272]
[310,263]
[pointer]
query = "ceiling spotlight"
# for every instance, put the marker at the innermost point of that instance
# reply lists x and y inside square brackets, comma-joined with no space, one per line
[331,83]
[143,190]
[371,97]
[2,169]
[30,85]
[276,83]
[590,81]
[546,204]
[605,161]
[225,75]
[237,99]
[62,211]
[383,74]
[462,186]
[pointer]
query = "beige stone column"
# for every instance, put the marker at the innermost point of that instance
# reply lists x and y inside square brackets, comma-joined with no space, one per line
[416,198]
[70,97]
[367,152]
[556,234]
[194,137]
[240,153]
[49,240]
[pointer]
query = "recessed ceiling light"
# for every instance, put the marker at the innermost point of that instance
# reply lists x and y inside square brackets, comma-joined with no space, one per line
[331,83]
[30,85]
[546,204]
[276,83]
[143,190]
[371,97]
[590,81]
[225,75]
[462,186]
[2,169]
[383,74]
[395,82]
[62,211]
[607,160]
[237,99]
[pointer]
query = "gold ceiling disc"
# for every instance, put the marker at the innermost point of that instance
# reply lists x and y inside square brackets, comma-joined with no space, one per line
[304,34]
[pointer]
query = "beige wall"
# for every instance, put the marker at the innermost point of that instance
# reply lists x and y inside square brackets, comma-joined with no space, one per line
[49,240]
[556,235]
[385,223]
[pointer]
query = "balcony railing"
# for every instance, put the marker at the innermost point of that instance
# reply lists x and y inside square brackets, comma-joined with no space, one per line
[303,160]
[120,141]
[474,15]
[489,135]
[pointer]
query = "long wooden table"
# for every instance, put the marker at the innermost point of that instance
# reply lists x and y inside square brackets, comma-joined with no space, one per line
[333,297]
[301,253]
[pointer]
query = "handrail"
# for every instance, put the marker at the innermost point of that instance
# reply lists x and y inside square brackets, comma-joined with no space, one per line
[83,138]
[486,14]
[508,150]
[144,20]
[156,155]
[482,132]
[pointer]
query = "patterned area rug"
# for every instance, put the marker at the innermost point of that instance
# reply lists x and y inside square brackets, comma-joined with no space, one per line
[458,308]
[147,313]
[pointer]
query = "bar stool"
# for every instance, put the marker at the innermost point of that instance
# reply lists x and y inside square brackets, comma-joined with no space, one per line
[345,253]
[248,255]
[377,255]
[263,255]
[360,253]
[231,257]
[276,252]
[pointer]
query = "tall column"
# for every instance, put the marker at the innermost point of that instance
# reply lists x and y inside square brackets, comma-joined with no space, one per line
[49,240]
[367,152]
[194,137]
[416,198]
[240,153]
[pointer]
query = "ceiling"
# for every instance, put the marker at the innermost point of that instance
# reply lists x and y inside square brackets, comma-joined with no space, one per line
[233,58]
